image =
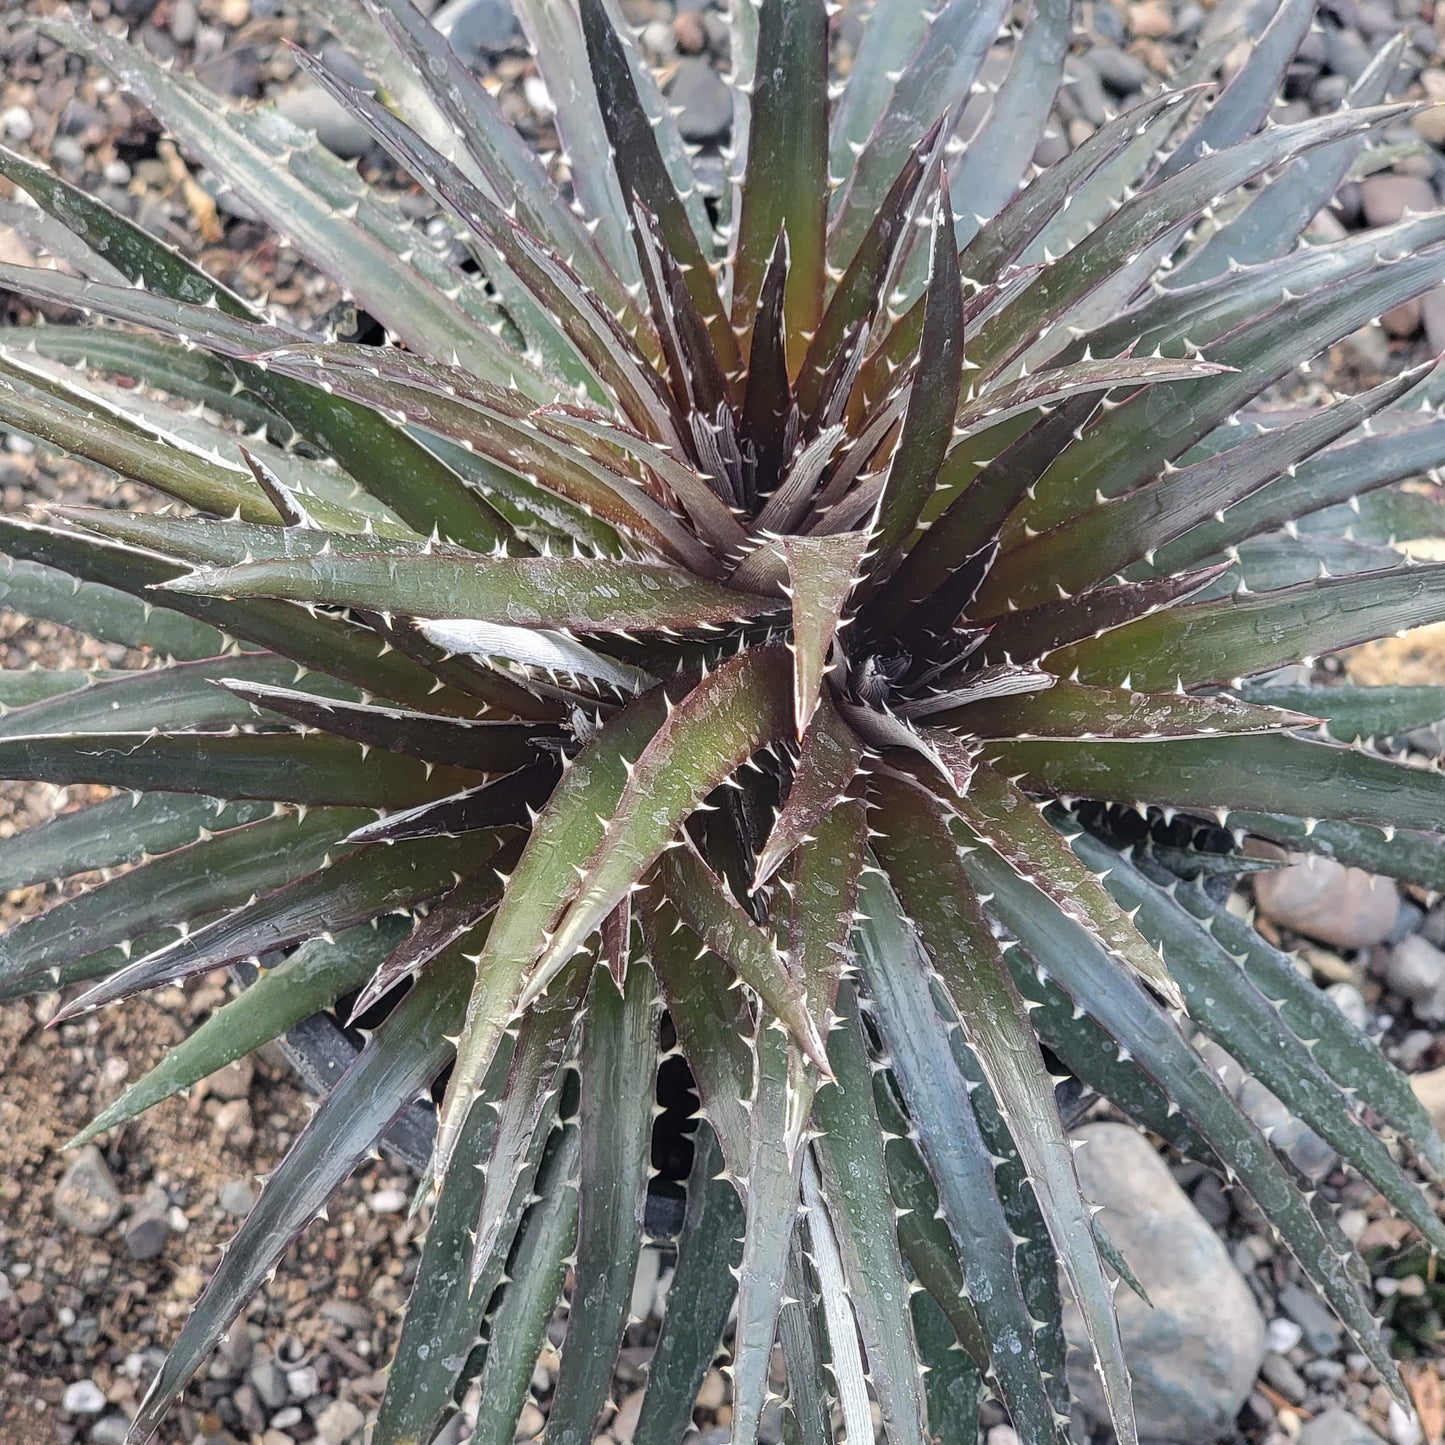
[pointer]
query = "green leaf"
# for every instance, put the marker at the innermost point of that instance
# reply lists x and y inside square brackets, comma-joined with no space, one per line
[940,1110]
[932,402]
[849,1149]
[535,1273]
[1411,856]
[1244,103]
[644,174]
[341,892]
[498,155]
[460,912]
[845,1357]
[310,979]
[1116,1001]
[543,1039]
[699,1298]
[547,297]
[103,612]
[439,1335]
[326,644]
[1256,322]
[999,813]
[124,246]
[862,287]
[824,892]
[955,1389]
[825,770]
[713,1025]
[183,694]
[118,831]
[267,162]
[561,52]
[312,768]
[25,686]
[1272,221]
[161,365]
[487,747]
[592,594]
[1222,641]
[709,908]
[1335,1044]
[563,838]
[778,1110]
[215,872]
[996,159]
[1032,634]
[1107,538]
[734,712]
[787,170]
[1247,1023]
[1354,714]
[936,80]
[891,33]
[619,1054]
[808,1417]
[821,574]
[1071,710]
[1278,773]
[921,860]
[405,1053]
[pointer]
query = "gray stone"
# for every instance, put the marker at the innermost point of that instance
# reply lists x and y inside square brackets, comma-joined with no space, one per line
[1194,1355]
[1347,53]
[18,124]
[1304,1148]
[148,1227]
[111,1430]
[269,1383]
[1415,970]
[339,1423]
[86,1199]
[1122,73]
[306,105]
[84,1397]
[1337,1427]
[145,1235]
[1322,1330]
[237,1197]
[1323,899]
[703,100]
[303,1383]
[1278,1371]
[478,27]
[185,21]
[1387,197]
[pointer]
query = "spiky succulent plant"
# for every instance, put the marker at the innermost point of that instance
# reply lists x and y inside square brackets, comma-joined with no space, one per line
[806,631]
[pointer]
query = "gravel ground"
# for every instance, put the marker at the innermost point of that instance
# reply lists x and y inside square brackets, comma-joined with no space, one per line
[101,1253]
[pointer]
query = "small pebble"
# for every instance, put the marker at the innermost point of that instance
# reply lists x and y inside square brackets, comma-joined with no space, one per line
[237,1197]
[112,1430]
[185,21]
[303,1383]
[17,124]
[84,1397]
[339,1423]
[1284,1335]
[86,1199]
[387,1201]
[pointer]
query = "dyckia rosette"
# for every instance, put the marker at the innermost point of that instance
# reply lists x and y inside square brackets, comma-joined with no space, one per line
[815,636]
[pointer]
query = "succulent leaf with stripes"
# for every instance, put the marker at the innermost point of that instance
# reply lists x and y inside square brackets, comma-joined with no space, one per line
[822,636]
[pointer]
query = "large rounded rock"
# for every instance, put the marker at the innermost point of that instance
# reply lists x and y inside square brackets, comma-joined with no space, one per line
[1194,1355]
[1323,899]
